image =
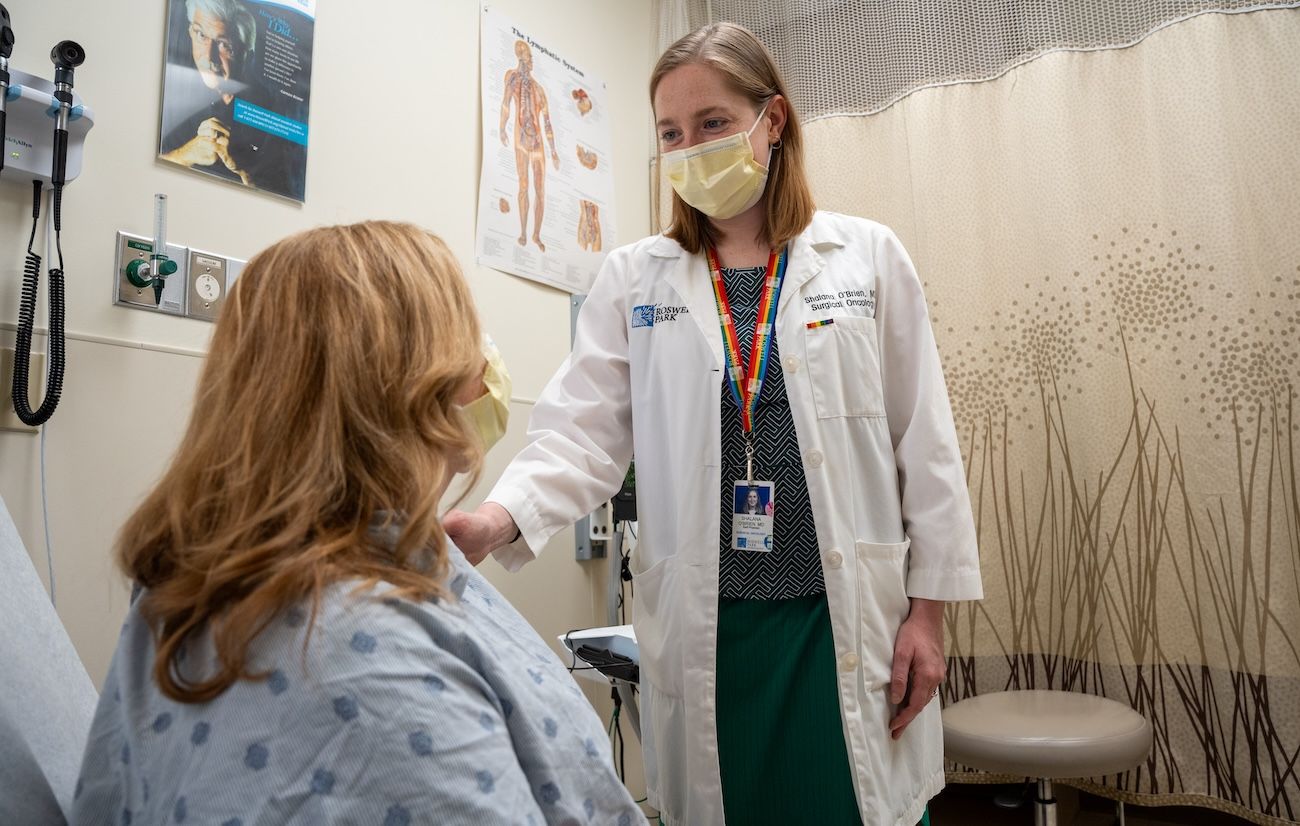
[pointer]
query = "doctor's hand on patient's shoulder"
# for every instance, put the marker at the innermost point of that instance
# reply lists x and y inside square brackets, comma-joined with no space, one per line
[480,533]
[919,664]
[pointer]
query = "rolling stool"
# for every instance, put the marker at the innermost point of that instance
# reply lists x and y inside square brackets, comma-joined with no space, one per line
[1046,735]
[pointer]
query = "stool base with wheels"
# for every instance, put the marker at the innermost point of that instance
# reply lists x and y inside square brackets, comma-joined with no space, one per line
[1046,735]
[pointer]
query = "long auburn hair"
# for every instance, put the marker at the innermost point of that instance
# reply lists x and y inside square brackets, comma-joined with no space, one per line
[328,397]
[747,65]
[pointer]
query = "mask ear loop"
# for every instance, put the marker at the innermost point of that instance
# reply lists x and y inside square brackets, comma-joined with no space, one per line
[759,119]
[772,147]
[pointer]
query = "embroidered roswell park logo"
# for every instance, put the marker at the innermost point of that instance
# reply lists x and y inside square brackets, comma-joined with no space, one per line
[648,315]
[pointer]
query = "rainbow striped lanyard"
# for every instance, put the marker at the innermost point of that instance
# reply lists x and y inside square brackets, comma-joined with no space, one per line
[746,383]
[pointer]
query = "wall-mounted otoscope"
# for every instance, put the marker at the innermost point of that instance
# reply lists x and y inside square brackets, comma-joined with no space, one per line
[6,52]
[66,56]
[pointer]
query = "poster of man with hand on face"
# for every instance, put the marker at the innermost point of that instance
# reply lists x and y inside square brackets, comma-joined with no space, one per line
[238,89]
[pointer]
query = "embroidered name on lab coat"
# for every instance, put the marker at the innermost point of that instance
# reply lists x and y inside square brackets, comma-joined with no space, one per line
[861,301]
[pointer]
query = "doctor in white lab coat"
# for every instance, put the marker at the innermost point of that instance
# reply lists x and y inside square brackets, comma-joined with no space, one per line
[795,683]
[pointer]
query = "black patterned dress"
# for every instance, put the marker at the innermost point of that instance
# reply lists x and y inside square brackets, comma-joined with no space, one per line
[793,567]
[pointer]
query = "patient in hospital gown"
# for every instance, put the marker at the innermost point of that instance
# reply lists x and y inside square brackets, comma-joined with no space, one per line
[307,646]
[401,713]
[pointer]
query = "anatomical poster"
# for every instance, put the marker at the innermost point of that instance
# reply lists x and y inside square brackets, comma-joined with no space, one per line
[546,190]
[237,91]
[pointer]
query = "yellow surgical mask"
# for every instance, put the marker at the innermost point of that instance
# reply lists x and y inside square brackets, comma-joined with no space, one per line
[720,177]
[490,413]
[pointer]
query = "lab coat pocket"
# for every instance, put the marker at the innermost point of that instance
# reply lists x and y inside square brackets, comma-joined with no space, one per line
[656,613]
[844,367]
[882,605]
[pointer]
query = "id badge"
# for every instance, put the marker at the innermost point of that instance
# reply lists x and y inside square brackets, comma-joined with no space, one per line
[751,520]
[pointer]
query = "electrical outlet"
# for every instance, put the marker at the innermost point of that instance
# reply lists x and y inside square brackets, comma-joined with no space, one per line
[138,248]
[35,389]
[211,277]
[602,522]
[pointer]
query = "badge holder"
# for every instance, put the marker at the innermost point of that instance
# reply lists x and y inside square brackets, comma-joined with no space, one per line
[753,505]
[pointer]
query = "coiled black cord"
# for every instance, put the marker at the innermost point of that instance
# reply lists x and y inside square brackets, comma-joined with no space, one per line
[55,350]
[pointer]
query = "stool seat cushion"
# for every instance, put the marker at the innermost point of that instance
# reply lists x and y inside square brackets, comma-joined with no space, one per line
[1045,734]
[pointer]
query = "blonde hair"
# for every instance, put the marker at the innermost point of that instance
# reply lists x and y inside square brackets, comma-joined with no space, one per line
[749,68]
[328,397]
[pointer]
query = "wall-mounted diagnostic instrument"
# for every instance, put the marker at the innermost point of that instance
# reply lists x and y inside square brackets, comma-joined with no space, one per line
[37,152]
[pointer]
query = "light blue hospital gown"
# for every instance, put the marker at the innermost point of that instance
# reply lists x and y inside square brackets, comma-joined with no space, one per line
[399,713]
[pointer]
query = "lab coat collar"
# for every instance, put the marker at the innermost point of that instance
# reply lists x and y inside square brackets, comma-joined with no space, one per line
[661,246]
[804,263]
[690,278]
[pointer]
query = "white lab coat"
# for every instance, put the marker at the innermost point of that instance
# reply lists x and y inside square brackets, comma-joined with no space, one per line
[884,475]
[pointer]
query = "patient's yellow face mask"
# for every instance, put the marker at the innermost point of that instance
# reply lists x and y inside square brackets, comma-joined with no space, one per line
[490,413]
[720,177]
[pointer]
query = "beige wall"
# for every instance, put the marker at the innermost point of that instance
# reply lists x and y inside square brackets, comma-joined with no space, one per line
[395,134]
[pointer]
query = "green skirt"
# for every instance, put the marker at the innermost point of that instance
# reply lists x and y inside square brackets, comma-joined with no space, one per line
[780,740]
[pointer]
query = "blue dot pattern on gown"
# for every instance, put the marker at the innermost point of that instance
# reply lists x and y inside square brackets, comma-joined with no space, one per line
[277,682]
[363,643]
[346,708]
[322,782]
[421,743]
[256,757]
[434,683]
[395,712]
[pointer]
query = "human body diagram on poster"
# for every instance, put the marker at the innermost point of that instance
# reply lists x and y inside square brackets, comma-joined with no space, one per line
[546,188]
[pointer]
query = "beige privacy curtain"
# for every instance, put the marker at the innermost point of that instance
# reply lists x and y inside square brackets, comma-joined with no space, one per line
[1108,229]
